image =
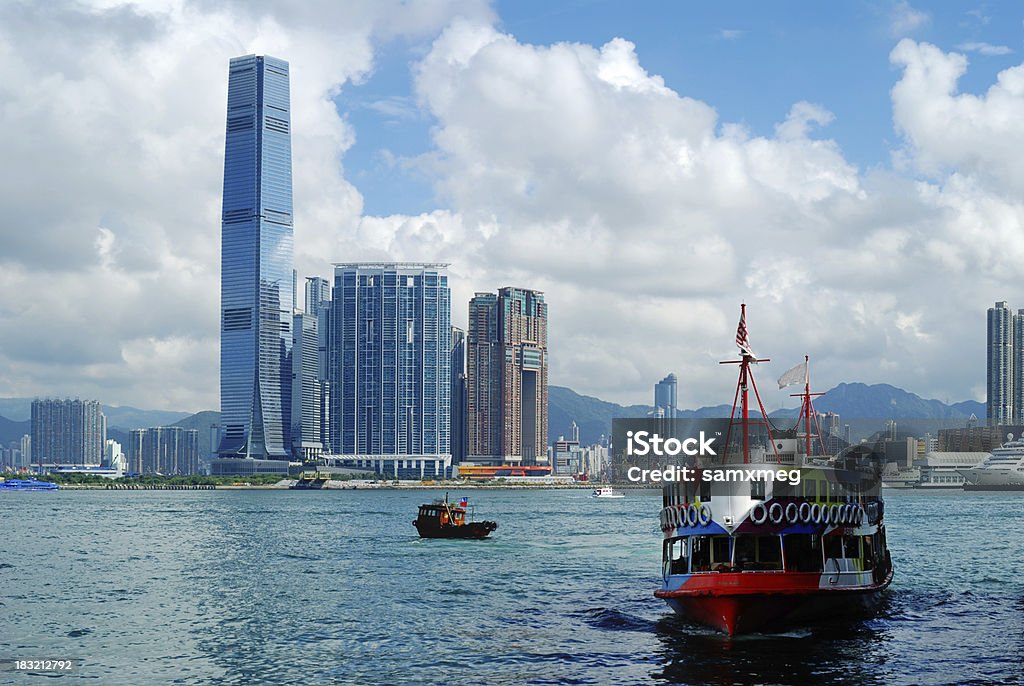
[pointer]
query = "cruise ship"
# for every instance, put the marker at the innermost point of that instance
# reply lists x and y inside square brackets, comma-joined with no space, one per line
[1002,470]
[752,554]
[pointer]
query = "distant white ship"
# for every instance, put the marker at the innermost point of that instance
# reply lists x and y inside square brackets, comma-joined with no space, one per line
[1004,468]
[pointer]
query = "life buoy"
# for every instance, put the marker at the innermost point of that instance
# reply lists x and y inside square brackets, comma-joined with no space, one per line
[792,513]
[834,519]
[859,515]
[704,515]
[805,512]
[850,510]
[677,517]
[816,513]
[691,515]
[776,513]
[759,513]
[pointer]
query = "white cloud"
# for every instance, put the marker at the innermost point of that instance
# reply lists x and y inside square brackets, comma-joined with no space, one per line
[904,19]
[113,119]
[567,167]
[985,48]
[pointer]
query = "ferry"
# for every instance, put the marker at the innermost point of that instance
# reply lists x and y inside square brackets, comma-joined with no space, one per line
[31,484]
[607,492]
[1002,470]
[757,554]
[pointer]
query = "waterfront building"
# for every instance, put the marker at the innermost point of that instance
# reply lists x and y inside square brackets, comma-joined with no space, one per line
[114,457]
[70,432]
[167,450]
[460,435]
[389,370]
[26,452]
[256,262]
[665,396]
[1001,357]
[507,377]
[306,388]
[318,304]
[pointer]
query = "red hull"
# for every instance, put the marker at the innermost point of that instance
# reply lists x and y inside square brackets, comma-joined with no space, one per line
[738,603]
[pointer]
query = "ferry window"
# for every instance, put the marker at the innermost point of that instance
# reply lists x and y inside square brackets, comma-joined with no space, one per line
[677,553]
[851,546]
[834,490]
[700,554]
[720,550]
[808,486]
[834,546]
[803,553]
[705,491]
[757,490]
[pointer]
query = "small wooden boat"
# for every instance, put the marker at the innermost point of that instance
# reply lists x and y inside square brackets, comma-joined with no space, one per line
[441,519]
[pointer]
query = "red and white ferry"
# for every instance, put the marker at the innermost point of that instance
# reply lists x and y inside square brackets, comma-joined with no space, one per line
[752,554]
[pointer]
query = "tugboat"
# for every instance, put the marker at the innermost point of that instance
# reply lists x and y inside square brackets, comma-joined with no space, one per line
[749,553]
[441,519]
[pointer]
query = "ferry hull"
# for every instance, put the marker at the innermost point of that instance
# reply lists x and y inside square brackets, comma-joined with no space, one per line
[738,603]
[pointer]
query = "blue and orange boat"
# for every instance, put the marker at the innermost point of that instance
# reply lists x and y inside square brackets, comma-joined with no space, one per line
[751,554]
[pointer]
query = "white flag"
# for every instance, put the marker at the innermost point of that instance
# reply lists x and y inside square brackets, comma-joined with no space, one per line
[797,374]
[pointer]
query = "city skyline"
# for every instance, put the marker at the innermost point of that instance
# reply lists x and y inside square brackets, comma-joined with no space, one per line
[837,214]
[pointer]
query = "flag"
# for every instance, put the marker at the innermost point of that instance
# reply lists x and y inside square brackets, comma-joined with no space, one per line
[464,502]
[797,374]
[741,333]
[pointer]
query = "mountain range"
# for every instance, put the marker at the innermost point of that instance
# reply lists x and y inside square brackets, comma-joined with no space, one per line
[593,415]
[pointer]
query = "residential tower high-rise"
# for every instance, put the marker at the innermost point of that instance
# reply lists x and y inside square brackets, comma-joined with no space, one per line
[256,262]
[1002,359]
[67,432]
[389,365]
[507,377]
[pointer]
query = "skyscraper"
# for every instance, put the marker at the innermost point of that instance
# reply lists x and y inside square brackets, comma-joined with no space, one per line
[256,262]
[306,394]
[1001,358]
[665,396]
[318,304]
[389,364]
[458,396]
[69,432]
[507,377]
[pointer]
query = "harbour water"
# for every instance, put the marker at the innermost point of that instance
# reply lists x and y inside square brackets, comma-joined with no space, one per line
[282,587]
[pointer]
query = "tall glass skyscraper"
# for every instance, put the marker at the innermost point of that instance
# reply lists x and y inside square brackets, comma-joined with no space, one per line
[389,364]
[256,262]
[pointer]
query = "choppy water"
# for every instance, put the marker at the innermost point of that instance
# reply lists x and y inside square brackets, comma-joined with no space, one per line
[272,587]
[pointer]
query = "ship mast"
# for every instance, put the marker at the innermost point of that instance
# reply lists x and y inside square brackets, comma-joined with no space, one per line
[746,380]
[807,410]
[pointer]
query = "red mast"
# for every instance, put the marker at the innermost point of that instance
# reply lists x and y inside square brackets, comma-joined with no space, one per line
[807,410]
[747,357]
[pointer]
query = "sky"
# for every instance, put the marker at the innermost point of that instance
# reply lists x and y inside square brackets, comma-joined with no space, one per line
[851,171]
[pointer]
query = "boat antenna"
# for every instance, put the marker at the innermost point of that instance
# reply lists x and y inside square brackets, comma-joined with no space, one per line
[746,378]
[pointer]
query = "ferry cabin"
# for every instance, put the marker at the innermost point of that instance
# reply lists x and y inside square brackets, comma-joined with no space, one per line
[828,524]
